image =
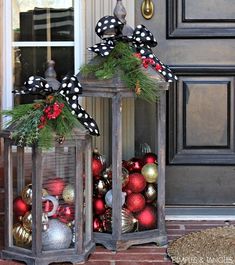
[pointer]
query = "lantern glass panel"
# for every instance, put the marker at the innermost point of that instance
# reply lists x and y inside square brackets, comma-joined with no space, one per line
[138,187]
[21,177]
[58,171]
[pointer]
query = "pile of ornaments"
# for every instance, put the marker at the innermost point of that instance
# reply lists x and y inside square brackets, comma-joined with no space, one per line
[57,218]
[139,194]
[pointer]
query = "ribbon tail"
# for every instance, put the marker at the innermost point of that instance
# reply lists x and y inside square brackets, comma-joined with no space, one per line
[84,118]
[88,122]
[164,70]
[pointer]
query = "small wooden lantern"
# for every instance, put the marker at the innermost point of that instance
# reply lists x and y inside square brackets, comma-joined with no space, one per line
[48,209]
[118,235]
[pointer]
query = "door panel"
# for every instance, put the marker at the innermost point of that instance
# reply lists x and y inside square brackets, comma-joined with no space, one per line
[196,38]
[201,18]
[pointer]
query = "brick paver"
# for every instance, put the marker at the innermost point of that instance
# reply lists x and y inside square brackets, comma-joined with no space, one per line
[148,254]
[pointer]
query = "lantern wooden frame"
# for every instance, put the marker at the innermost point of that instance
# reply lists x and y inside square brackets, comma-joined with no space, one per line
[116,91]
[84,243]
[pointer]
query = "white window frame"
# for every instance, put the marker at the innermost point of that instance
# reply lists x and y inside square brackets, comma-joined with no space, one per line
[8,45]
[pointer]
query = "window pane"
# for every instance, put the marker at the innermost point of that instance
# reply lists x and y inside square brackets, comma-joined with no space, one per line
[43,20]
[33,61]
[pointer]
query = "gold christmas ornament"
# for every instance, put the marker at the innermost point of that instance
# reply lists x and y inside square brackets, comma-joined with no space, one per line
[44,192]
[150,172]
[27,221]
[128,221]
[69,193]
[27,194]
[22,236]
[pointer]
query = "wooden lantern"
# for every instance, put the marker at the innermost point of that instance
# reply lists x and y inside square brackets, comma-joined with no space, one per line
[118,238]
[48,208]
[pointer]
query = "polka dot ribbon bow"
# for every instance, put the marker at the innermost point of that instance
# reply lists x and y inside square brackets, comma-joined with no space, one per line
[69,89]
[142,40]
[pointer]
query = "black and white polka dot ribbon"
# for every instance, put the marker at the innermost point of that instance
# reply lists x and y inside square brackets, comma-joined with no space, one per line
[69,89]
[142,40]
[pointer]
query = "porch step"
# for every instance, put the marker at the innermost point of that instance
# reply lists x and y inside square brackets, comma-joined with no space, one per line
[201,213]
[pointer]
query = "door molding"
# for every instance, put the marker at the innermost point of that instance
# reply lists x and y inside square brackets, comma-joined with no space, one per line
[193,79]
[181,26]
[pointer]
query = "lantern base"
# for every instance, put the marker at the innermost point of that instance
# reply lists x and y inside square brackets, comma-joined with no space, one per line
[129,239]
[48,258]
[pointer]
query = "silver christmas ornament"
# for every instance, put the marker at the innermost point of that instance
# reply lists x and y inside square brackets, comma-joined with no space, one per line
[54,201]
[109,198]
[57,236]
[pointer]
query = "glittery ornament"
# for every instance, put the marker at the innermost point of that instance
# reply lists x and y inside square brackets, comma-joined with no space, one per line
[97,225]
[69,194]
[57,236]
[98,206]
[66,213]
[150,172]
[150,158]
[20,207]
[147,218]
[21,236]
[27,194]
[150,192]
[135,202]
[55,186]
[136,182]
[109,198]
[128,221]
[100,187]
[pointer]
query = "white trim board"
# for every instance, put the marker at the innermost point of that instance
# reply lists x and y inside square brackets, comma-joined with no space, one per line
[200,217]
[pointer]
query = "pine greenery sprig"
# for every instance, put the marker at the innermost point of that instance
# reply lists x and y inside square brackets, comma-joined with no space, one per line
[122,60]
[26,128]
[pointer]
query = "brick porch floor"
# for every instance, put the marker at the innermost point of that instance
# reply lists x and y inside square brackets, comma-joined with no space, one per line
[148,254]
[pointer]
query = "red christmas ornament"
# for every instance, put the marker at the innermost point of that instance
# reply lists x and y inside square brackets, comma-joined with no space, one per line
[134,165]
[66,213]
[20,208]
[136,182]
[97,167]
[47,207]
[126,190]
[147,218]
[55,186]
[125,164]
[98,206]
[97,225]
[135,202]
[150,158]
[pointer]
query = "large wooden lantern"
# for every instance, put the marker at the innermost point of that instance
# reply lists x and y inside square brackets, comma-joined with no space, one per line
[129,193]
[48,210]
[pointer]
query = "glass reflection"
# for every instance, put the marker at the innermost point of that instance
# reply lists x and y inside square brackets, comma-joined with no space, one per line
[43,20]
[33,61]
